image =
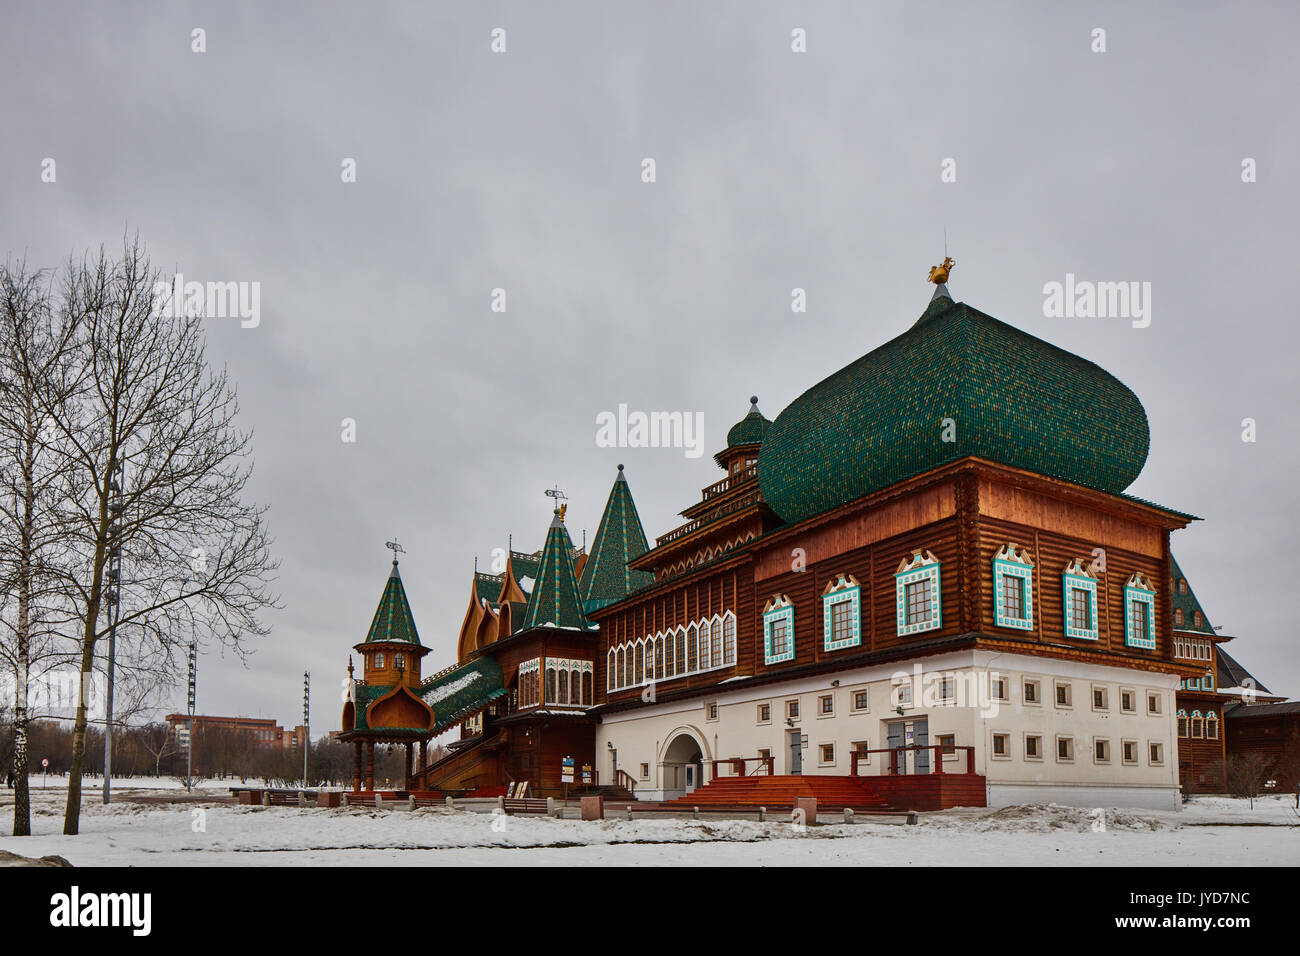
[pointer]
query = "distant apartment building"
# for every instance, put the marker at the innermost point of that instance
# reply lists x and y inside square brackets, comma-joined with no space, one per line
[262,732]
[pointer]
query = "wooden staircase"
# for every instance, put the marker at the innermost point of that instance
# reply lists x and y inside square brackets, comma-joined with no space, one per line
[779,792]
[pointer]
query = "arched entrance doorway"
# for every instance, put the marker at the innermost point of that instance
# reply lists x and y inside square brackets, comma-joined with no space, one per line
[682,767]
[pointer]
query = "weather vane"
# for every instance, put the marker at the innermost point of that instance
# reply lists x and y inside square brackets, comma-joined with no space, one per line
[395,548]
[558,495]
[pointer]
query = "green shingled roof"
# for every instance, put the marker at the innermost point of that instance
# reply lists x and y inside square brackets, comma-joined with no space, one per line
[1012,398]
[488,587]
[393,620]
[750,429]
[1187,603]
[462,691]
[554,600]
[606,578]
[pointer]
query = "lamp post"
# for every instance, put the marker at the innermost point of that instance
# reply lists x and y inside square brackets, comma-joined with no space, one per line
[114,596]
[306,723]
[189,743]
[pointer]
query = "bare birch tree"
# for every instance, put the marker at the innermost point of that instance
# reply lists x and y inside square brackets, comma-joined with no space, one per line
[152,426]
[34,344]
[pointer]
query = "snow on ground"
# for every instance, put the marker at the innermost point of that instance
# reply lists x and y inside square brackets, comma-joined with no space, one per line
[1209,831]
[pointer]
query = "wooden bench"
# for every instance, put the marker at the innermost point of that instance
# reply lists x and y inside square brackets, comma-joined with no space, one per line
[525,805]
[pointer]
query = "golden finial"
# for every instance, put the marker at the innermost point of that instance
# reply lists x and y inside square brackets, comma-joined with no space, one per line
[563,508]
[939,274]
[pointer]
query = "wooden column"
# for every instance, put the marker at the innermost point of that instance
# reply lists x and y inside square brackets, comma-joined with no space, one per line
[424,756]
[370,765]
[356,774]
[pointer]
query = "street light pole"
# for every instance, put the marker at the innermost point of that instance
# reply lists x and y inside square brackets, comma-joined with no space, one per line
[114,612]
[189,743]
[306,723]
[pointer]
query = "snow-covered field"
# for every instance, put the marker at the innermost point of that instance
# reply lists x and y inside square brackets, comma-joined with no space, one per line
[1209,831]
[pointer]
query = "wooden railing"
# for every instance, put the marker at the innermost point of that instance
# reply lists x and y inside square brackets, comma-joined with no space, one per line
[625,780]
[720,487]
[737,766]
[744,501]
[896,757]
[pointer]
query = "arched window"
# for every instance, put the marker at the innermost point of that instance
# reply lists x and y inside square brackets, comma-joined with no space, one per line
[1182,723]
[379,659]
[703,662]
[563,696]
[620,669]
[610,666]
[628,661]
[588,692]
[638,669]
[692,649]
[681,653]
[715,645]
[1197,619]
[729,639]
[575,688]
[1198,729]
[1212,725]
[1178,615]
[550,685]
[659,657]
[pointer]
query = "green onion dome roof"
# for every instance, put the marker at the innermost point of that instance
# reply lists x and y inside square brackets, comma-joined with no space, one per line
[750,429]
[957,383]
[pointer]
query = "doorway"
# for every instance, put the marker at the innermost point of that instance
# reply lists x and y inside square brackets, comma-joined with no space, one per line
[796,751]
[909,733]
[682,766]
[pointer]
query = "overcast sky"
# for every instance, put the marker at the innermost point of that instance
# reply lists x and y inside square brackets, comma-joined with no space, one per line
[775,170]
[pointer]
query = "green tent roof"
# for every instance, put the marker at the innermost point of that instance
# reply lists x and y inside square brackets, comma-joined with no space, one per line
[957,383]
[393,620]
[1187,603]
[606,578]
[554,600]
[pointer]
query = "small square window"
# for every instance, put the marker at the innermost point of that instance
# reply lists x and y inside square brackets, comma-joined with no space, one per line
[1130,751]
[1100,699]
[713,711]
[1127,701]
[861,700]
[1064,696]
[1033,747]
[999,689]
[645,771]
[792,708]
[947,688]
[863,749]
[948,743]
[1031,692]
[1153,703]
[827,705]
[1001,746]
[1155,754]
[828,753]
[903,694]
[1101,750]
[1065,749]
[764,713]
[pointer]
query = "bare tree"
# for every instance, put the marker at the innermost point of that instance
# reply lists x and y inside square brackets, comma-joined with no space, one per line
[1247,773]
[158,740]
[157,473]
[34,344]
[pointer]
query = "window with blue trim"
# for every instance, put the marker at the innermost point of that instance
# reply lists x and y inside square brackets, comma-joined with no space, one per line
[916,591]
[842,613]
[1079,596]
[1013,588]
[1139,613]
[778,630]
